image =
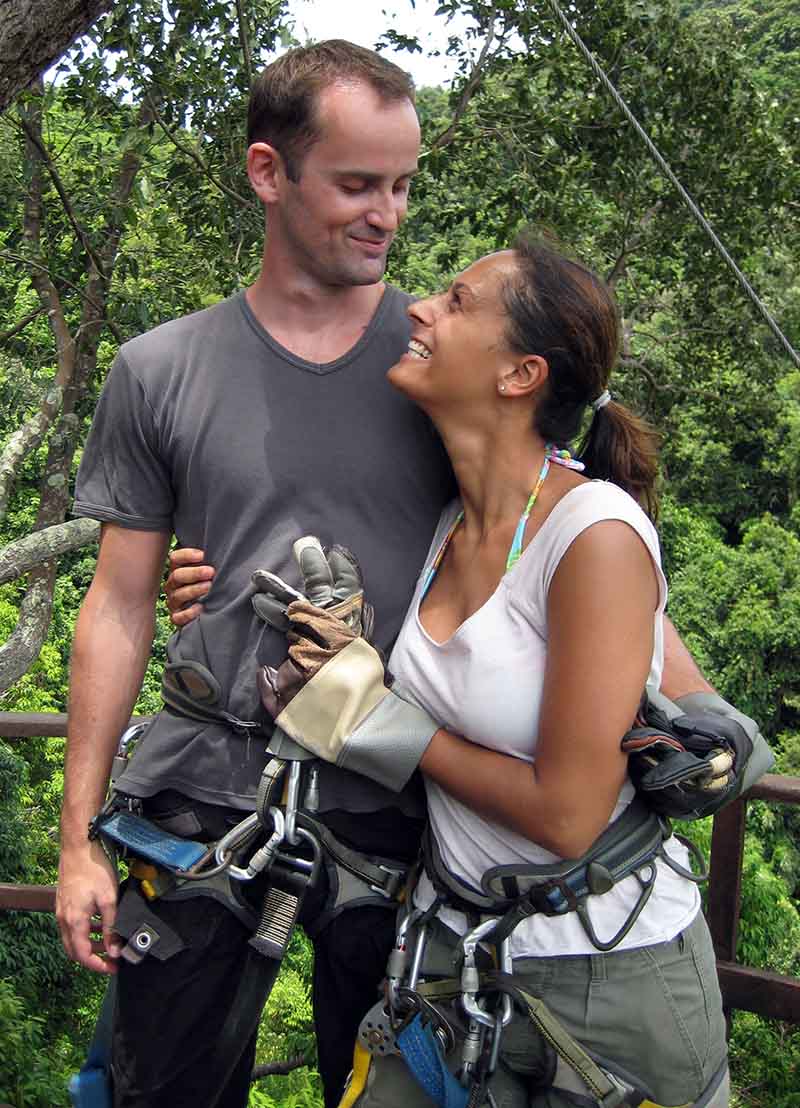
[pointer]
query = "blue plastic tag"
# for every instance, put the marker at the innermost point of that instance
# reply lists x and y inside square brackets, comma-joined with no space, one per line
[145,840]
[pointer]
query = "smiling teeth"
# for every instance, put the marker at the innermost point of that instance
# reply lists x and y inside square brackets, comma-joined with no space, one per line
[418,348]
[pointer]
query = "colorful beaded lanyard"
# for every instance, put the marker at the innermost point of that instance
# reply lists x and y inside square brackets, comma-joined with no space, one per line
[551,454]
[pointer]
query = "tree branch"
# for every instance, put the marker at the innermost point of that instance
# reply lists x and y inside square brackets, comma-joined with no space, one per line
[24,440]
[471,86]
[15,330]
[31,116]
[11,257]
[22,647]
[637,363]
[35,33]
[632,244]
[196,158]
[43,546]
[271,1069]
[244,39]
[36,139]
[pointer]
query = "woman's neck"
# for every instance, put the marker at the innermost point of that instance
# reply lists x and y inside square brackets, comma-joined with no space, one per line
[496,471]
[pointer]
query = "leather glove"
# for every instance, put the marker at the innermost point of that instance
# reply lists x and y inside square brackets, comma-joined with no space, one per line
[316,635]
[332,581]
[331,698]
[689,758]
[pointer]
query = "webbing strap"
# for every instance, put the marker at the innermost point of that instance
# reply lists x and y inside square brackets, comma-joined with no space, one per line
[423,1056]
[258,976]
[387,880]
[91,1086]
[607,1091]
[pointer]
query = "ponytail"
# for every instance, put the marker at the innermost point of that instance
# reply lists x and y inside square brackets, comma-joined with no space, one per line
[561,310]
[621,447]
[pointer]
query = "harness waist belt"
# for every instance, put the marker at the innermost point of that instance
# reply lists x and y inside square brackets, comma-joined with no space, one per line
[627,844]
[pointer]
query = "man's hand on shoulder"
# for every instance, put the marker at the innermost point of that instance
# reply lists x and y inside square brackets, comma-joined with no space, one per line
[87,888]
[188,583]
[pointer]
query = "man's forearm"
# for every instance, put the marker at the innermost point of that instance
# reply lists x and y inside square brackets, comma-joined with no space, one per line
[681,674]
[109,658]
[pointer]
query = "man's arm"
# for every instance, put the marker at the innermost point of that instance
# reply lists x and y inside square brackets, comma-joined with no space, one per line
[681,675]
[113,637]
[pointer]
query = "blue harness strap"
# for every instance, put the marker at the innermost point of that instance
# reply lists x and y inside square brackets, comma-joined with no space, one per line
[91,1086]
[423,1056]
[146,840]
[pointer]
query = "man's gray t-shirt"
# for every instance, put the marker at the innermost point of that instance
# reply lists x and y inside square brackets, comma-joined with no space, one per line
[209,429]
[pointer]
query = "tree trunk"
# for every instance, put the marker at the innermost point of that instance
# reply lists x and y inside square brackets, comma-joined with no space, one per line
[34,33]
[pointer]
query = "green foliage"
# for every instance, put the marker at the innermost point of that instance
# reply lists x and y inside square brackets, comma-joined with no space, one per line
[28,1078]
[739,611]
[765,1058]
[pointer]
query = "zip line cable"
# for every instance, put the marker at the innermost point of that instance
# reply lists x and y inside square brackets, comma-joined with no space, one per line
[601,75]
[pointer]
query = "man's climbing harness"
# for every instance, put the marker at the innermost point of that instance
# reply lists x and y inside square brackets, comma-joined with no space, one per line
[282,843]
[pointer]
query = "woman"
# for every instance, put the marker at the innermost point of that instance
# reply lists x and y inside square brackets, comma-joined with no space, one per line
[535,625]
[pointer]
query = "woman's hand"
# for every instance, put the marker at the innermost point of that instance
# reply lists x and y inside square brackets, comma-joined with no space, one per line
[188,583]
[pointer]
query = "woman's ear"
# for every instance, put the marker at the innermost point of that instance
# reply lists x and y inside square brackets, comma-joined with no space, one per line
[265,170]
[527,376]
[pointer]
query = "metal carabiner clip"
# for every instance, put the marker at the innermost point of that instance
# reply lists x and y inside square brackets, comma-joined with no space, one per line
[262,857]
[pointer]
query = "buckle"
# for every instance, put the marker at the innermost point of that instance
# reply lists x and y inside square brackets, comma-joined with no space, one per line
[395,879]
[555,897]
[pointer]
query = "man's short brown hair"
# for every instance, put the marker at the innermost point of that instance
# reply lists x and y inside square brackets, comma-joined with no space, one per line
[283,102]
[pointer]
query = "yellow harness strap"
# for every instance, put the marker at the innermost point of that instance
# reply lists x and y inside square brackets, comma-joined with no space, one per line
[358,1078]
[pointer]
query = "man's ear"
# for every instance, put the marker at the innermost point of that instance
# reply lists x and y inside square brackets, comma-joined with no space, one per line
[528,375]
[266,171]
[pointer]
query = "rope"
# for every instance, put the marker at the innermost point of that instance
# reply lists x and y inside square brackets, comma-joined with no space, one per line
[665,169]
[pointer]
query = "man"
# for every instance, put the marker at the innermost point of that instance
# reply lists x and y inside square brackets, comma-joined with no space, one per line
[239,429]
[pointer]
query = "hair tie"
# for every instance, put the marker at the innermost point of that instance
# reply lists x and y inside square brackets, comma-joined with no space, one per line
[601,401]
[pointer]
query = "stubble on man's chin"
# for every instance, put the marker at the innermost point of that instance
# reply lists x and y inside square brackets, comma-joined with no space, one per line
[352,278]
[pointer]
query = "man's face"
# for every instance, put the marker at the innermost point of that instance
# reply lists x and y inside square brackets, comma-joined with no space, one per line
[339,219]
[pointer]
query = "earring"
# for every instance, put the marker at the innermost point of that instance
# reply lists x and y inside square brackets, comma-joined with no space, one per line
[502,388]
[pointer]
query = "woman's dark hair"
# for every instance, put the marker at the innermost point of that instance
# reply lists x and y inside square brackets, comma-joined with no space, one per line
[284,98]
[560,310]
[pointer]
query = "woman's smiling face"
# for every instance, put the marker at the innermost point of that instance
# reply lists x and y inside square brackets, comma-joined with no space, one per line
[458,349]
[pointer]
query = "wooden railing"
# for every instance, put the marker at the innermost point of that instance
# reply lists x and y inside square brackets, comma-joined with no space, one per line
[768,994]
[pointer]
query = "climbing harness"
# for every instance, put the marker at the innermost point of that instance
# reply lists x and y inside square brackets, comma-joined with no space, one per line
[447,1030]
[281,843]
[630,846]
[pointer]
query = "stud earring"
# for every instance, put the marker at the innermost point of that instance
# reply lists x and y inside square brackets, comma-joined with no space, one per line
[502,388]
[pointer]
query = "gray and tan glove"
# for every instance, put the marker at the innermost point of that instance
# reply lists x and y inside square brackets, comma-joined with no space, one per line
[691,757]
[331,580]
[331,698]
